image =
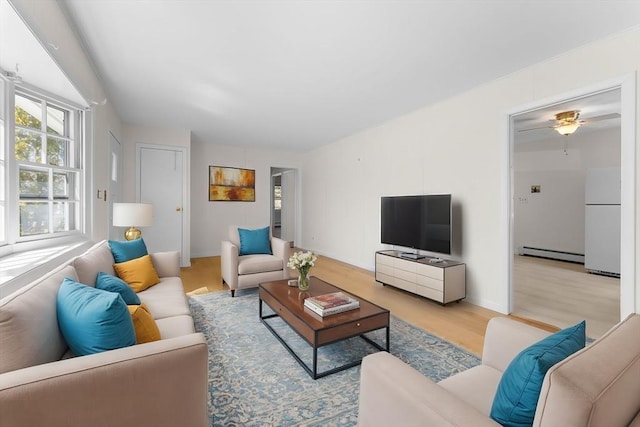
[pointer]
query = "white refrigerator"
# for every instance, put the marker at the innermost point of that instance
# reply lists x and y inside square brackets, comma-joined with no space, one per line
[602,221]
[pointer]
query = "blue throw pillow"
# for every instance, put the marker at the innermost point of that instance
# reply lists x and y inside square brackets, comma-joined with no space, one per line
[254,241]
[92,320]
[514,404]
[108,282]
[128,250]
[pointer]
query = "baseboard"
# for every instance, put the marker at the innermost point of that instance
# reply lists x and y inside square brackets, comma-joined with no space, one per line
[552,254]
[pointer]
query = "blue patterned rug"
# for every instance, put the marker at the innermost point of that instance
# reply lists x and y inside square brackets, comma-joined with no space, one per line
[254,381]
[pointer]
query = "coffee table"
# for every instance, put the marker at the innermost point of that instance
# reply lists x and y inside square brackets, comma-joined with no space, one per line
[288,303]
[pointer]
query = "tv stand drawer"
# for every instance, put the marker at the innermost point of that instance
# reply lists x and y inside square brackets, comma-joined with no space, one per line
[443,282]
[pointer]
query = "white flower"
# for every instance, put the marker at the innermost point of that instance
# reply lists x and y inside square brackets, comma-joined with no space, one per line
[302,261]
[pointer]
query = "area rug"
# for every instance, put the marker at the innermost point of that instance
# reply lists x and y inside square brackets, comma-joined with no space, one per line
[254,381]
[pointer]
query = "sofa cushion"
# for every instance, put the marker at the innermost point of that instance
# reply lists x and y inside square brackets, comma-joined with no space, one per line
[519,388]
[251,264]
[166,299]
[175,326]
[111,283]
[254,241]
[128,250]
[138,273]
[600,384]
[93,320]
[476,386]
[145,327]
[29,333]
[96,259]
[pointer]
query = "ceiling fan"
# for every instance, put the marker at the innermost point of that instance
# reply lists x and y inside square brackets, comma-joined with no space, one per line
[567,122]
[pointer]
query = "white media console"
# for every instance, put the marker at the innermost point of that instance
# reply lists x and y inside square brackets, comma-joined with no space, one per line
[442,281]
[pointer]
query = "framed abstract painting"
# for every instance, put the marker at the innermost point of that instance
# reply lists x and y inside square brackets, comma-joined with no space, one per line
[231,184]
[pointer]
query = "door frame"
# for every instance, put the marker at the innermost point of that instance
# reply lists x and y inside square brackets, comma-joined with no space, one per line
[627,86]
[277,170]
[185,253]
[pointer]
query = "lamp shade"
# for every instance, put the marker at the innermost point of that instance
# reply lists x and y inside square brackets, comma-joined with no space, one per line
[567,129]
[132,214]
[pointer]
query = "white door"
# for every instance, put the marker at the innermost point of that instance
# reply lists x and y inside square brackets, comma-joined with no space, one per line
[161,183]
[115,186]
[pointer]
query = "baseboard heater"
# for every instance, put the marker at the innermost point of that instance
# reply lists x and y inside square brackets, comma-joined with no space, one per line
[551,254]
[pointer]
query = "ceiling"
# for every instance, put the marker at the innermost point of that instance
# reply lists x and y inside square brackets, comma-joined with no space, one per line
[22,53]
[298,74]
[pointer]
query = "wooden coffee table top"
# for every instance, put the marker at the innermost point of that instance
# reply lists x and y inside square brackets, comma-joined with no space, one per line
[293,299]
[287,302]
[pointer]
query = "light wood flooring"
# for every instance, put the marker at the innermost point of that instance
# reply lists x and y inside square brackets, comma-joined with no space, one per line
[460,323]
[563,293]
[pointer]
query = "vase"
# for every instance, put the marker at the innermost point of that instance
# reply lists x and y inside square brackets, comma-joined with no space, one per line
[303,281]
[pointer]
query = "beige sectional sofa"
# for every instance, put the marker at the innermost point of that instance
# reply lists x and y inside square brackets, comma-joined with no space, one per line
[160,383]
[597,386]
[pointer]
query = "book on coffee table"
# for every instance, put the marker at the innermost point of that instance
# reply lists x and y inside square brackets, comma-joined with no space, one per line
[335,302]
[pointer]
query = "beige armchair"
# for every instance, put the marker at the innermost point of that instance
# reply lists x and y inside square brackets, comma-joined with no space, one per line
[247,271]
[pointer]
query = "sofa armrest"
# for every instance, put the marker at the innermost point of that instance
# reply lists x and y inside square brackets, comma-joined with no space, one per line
[229,263]
[393,393]
[167,264]
[281,249]
[162,383]
[505,338]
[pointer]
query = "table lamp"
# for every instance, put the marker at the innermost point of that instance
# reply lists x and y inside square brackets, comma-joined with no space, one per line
[132,215]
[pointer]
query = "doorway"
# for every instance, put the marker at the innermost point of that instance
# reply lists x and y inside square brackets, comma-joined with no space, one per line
[524,195]
[284,203]
[161,181]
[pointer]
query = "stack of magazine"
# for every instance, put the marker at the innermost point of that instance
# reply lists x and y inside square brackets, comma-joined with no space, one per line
[332,303]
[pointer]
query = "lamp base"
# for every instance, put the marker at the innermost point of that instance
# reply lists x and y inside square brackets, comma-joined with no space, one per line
[132,234]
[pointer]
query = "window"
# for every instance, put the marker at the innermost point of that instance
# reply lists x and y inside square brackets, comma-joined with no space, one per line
[48,175]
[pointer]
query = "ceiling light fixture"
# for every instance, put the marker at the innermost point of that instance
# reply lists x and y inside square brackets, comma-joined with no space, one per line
[567,122]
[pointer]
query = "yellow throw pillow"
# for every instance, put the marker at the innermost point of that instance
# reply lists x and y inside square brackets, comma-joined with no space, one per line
[138,273]
[143,323]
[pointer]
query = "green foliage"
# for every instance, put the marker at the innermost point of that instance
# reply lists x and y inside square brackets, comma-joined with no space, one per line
[29,144]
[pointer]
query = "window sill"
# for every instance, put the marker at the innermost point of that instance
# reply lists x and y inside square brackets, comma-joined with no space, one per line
[21,268]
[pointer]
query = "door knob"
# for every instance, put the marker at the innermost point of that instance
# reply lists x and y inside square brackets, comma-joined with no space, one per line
[178,209]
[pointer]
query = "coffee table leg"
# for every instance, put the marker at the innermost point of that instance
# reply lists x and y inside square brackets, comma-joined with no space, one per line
[388,341]
[315,362]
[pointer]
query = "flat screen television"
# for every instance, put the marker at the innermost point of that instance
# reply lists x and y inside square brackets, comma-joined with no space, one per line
[417,222]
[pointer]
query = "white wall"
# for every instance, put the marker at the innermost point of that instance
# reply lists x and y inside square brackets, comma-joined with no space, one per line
[210,220]
[554,218]
[455,146]
[105,120]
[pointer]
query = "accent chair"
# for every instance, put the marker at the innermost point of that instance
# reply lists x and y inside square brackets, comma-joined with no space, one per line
[241,268]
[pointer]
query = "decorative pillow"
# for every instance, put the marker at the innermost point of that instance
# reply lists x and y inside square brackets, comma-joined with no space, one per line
[92,320]
[128,250]
[144,324]
[108,282]
[254,241]
[138,273]
[517,396]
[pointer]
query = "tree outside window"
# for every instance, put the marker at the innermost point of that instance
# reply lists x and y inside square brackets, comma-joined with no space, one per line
[48,180]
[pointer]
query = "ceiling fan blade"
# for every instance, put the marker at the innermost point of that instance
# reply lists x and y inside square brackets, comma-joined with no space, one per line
[603,117]
[541,127]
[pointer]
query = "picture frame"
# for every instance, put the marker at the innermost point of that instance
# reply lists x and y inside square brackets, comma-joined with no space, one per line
[229,184]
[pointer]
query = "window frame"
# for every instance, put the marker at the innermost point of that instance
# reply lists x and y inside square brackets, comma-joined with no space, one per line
[77,139]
